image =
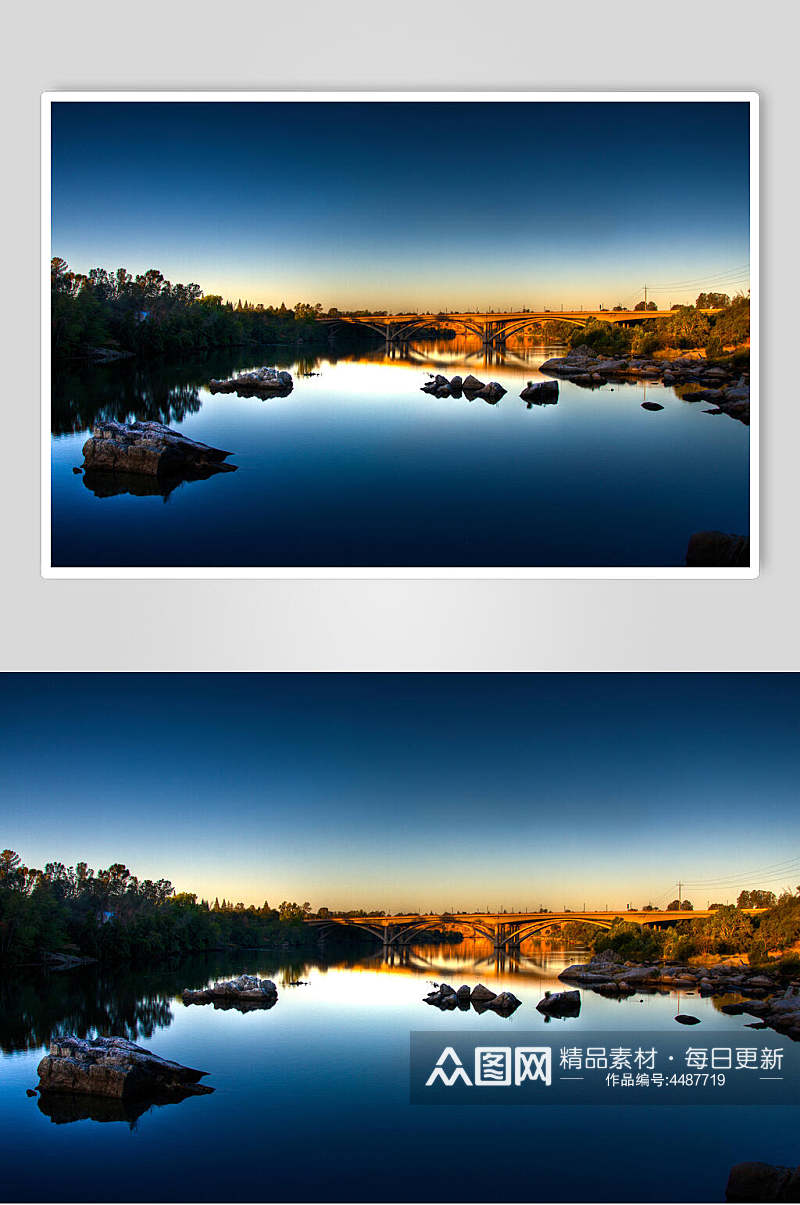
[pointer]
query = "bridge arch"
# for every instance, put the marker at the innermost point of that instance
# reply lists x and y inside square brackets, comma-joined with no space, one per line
[516,327]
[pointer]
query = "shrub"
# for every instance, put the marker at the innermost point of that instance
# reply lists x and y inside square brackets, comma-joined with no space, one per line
[757,954]
[645,342]
[604,337]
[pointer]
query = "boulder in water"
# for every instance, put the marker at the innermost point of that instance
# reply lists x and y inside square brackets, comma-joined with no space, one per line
[247,991]
[262,381]
[150,449]
[560,1004]
[113,1067]
[543,393]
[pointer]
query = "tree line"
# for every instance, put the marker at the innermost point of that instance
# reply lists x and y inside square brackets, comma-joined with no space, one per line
[775,934]
[149,315]
[111,915]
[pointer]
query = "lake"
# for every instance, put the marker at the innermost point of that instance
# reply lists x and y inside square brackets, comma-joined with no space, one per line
[311,1097]
[358,468]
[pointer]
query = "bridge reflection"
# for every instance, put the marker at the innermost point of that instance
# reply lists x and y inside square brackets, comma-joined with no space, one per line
[470,957]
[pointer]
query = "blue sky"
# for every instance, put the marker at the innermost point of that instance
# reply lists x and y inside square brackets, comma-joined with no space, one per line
[410,791]
[409,205]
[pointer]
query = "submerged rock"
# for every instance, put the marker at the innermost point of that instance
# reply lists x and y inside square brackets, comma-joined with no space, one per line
[265,381]
[248,991]
[443,996]
[150,449]
[560,1004]
[687,1019]
[652,406]
[543,393]
[492,392]
[718,549]
[113,1067]
[763,1182]
[505,1004]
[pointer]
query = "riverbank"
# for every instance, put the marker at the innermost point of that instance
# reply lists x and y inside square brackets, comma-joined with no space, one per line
[694,378]
[768,994]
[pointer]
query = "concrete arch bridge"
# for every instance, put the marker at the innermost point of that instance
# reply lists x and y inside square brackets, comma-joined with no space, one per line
[505,930]
[493,329]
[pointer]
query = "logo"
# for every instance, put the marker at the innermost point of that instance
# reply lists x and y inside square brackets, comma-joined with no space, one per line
[494,1067]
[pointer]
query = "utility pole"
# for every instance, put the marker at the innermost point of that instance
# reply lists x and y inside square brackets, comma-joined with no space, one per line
[680,885]
[645,296]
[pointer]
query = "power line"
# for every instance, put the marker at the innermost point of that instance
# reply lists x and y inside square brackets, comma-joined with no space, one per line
[674,284]
[784,866]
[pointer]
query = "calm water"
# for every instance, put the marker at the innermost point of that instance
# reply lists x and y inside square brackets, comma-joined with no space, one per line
[311,1098]
[357,467]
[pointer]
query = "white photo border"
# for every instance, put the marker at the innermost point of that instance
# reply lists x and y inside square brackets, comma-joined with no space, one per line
[49,98]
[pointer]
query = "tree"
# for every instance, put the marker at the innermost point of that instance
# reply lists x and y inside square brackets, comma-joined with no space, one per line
[712,301]
[680,906]
[756,899]
[641,305]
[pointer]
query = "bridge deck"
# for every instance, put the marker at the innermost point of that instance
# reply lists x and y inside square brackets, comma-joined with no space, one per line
[516,918]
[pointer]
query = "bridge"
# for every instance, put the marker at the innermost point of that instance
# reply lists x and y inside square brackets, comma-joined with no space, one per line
[505,930]
[493,329]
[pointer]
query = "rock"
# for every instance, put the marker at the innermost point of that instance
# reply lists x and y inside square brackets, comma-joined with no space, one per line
[732,1010]
[641,974]
[505,1003]
[442,997]
[150,449]
[260,381]
[762,1182]
[30,1091]
[543,393]
[481,994]
[560,1004]
[113,1067]
[77,469]
[463,994]
[471,384]
[716,549]
[442,391]
[611,368]
[456,386]
[248,991]
[687,1019]
[651,406]
[492,392]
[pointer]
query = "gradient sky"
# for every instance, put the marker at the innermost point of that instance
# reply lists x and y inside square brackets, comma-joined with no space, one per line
[409,205]
[410,791]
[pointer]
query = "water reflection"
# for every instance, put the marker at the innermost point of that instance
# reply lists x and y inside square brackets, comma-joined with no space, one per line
[89,1001]
[168,391]
[65,1108]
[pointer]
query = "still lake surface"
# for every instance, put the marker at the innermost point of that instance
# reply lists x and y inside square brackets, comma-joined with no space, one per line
[357,467]
[311,1097]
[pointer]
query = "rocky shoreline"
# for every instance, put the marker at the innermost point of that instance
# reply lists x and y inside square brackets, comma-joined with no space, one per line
[695,380]
[768,998]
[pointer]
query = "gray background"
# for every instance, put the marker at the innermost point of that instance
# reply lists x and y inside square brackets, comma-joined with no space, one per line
[397,625]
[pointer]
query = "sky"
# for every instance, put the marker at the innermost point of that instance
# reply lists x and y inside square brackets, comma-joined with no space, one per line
[409,206]
[410,792]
